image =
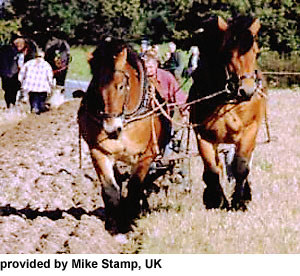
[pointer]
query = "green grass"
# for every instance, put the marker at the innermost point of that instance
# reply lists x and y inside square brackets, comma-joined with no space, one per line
[79,68]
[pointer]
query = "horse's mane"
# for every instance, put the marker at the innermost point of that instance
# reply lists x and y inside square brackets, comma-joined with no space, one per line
[102,62]
[215,44]
[238,36]
[216,48]
[102,68]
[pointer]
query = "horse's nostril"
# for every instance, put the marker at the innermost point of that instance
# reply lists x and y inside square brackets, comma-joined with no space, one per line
[243,92]
[113,135]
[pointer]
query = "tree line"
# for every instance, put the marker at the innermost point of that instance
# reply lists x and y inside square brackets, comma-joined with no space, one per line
[87,21]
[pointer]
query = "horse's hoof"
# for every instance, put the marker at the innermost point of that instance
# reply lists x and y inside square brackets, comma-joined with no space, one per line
[214,200]
[239,205]
[225,205]
[241,198]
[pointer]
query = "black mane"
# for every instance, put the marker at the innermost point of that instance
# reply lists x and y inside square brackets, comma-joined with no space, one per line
[102,69]
[102,62]
[216,47]
[237,36]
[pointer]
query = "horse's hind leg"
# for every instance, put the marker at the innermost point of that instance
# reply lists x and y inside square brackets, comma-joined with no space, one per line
[213,196]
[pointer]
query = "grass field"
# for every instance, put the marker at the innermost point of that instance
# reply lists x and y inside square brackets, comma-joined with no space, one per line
[79,68]
[181,224]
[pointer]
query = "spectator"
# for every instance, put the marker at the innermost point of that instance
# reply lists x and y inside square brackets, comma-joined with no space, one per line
[174,63]
[36,79]
[26,50]
[144,48]
[193,61]
[12,57]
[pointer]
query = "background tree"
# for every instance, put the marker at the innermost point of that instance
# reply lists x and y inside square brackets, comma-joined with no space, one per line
[85,22]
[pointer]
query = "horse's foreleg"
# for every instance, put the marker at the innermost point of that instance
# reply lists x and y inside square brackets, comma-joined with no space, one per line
[135,200]
[213,196]
[241,168]
[104,167]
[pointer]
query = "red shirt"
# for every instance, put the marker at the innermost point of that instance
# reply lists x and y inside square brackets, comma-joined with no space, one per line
[169,88]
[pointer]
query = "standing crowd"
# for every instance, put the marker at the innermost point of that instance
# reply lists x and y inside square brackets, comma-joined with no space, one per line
[27,75]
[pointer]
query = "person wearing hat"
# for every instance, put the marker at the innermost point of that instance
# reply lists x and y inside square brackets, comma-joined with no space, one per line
[36,77]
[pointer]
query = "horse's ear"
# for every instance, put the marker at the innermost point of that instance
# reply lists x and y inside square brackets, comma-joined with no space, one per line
[121,60]
[254,28]
[222,24]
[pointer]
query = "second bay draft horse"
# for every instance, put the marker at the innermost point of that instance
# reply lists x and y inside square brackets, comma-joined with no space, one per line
[118,125]
[235,106]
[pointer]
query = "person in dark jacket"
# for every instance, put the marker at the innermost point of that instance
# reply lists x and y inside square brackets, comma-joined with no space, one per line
[12,58]
[174,63]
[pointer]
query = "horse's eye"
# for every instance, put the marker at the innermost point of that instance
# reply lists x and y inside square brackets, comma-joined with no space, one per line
[120,87]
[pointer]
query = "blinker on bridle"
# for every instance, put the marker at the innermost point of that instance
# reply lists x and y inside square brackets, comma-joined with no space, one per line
[233,82]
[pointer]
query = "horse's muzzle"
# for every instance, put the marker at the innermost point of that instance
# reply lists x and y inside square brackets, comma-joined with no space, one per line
[113,127]
[247,89]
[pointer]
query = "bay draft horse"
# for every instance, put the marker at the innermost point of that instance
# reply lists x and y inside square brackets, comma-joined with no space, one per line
[113,121]
[228,72]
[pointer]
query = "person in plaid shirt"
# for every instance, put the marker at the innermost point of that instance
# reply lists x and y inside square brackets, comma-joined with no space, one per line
[36,77]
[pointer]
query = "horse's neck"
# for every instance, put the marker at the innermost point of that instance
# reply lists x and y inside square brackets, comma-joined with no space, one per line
[210,77]
[91,100]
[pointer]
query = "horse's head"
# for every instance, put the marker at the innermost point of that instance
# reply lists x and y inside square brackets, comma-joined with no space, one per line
[229,51]
[239,52]
[119,87]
